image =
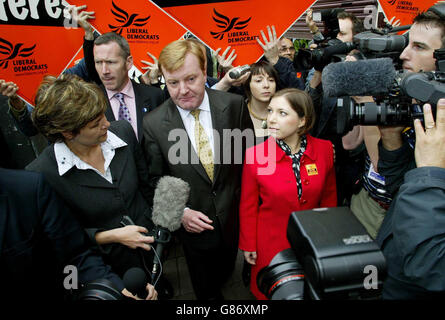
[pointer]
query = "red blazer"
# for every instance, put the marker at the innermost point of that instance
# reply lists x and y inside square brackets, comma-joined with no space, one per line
[268,175]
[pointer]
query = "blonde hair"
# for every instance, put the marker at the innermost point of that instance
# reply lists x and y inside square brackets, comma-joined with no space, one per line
[173,55]
[66,104]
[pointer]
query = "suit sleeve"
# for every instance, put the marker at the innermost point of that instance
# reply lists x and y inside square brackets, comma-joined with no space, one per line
[88,53]
[329,196]
[419,227]
[287,74]
[249,207]
[68,239]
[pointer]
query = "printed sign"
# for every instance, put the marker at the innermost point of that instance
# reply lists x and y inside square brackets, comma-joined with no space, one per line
[235,23]
[402,12]
[144,25]
[35,40]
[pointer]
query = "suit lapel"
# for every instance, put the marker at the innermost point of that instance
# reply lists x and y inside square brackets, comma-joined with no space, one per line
[109,112]
[119,163]
[140,104]
[3,218]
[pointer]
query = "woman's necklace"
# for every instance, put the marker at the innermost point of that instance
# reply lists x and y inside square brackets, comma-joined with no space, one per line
[263,120]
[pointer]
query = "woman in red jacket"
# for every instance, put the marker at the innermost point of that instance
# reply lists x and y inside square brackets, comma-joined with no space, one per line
[290,171]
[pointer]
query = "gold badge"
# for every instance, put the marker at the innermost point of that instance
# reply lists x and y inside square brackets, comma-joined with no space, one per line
[311,169]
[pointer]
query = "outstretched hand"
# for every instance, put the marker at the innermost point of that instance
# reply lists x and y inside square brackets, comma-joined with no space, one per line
[270,46]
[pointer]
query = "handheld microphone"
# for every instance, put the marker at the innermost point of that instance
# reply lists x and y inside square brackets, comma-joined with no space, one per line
[169,201]
[358,78]
[239,71]
[135,281]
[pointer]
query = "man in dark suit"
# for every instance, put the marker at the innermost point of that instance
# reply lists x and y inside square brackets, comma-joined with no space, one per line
[38,238]
[198,116]
[108,60]
[127,99]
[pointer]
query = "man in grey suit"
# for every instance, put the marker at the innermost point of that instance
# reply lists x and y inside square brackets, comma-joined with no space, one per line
[205,156]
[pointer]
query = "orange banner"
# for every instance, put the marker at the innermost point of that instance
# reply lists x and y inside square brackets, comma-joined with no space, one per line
[235,23]
[144,25]
[402,12]
[35,40]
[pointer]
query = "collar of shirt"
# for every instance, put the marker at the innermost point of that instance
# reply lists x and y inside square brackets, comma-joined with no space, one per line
[205,106]
[66,159]
[205,119]
[127,90]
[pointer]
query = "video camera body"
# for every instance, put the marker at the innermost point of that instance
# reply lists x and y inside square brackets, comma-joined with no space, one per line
[329,257]
[370,44]
[393,98]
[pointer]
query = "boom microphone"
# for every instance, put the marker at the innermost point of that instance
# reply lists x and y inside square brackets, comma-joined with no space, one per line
[170,199]
[358,78]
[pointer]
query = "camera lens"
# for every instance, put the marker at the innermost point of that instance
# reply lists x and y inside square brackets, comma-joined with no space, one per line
[283,278]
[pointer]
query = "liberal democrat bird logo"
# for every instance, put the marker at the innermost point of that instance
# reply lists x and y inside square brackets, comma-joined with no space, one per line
[391,2]
[226,24]
[7,48]
[126,20]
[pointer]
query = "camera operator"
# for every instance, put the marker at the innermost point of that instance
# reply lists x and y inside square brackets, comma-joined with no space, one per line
[410,235]
[347,165]
[395,150]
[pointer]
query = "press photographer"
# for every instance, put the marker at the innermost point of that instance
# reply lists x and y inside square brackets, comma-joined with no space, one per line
[421,61]
[411,234]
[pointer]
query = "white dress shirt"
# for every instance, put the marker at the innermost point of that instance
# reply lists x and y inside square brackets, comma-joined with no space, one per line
[205,118]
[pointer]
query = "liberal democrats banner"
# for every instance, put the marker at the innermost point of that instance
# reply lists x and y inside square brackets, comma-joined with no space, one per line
[235,23]
[36,39]
[402,12]
[144,25]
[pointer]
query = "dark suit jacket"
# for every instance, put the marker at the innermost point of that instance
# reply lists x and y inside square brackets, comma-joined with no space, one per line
[218,200]
[100,205]
[38,238]
[147,97]
[412,237]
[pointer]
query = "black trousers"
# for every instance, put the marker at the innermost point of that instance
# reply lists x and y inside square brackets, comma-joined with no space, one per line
[209,266]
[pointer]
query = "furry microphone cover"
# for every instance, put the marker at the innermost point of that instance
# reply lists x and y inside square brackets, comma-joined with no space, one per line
[170,199]
[358,78]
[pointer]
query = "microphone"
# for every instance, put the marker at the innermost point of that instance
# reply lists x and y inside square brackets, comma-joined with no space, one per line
[169,201]
[239,71]
[358,78]
[135,281]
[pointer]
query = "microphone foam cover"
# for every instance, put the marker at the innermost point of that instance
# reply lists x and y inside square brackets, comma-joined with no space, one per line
[358,78]
[135,280]
[170,199]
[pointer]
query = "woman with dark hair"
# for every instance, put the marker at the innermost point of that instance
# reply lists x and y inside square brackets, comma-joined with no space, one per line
[290,171]
[98,168]
[259,89]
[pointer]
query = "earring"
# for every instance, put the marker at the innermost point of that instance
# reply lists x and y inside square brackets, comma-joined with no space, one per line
[264,124]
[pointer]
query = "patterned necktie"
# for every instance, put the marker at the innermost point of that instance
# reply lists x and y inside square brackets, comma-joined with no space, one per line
[124,113]
[202,144]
